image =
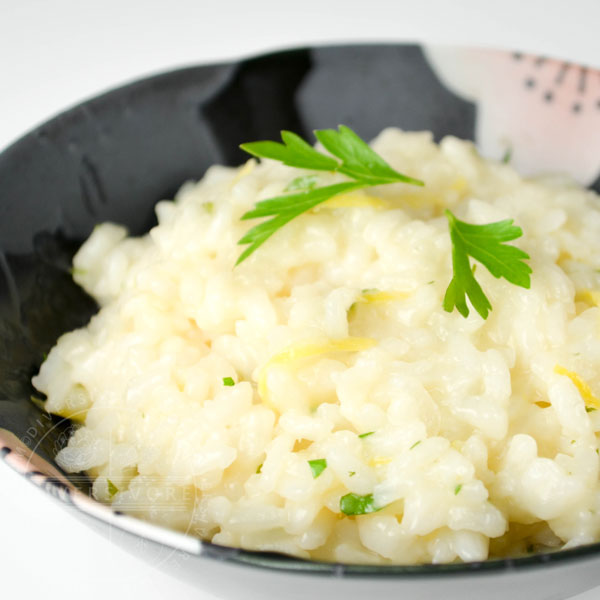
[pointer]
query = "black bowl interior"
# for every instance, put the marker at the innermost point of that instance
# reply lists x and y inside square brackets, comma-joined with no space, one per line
[112,158]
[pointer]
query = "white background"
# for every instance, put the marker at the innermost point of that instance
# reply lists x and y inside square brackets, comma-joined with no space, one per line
[55,53]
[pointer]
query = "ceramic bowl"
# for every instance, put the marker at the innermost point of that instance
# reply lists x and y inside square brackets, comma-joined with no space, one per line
[113,157]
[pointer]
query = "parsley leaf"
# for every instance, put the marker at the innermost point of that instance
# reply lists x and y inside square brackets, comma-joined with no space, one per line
[283,209]
[351,156]
[306,182]
[317,466]
[228,381]
[112,488]
[353,504]
[294,152]
[485,244]
[359,161]
[364,435]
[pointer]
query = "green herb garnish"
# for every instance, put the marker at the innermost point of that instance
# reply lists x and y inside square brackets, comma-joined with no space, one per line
[353,504]
[112,488]
[228,381]
[259,468]
[307,182]
[415,445]
[485,244]
[317,466]
[367,434]
[457,489]
[351,473]
[589,409]
[209,207]
[352,157]
[507,156]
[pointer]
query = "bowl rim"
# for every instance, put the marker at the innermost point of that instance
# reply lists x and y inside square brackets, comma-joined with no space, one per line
[29,464]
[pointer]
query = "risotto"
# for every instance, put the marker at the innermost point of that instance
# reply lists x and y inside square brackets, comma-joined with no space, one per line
[317,400]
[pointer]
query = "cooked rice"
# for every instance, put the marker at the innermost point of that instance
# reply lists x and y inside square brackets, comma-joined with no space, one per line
[484,438]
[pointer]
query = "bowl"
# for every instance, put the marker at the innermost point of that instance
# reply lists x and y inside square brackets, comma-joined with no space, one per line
[113,157]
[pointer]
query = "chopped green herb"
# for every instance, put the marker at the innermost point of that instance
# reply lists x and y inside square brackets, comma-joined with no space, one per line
[367,434]
[351,473]
[353,504]
[507,156]
[431,282]
[457,489]
[112,488]
[228,381]
[73,271]
[352,157]
[209,207]
[317,466]
[415,445]
[485,244]
[597,451]
[572,441]
[590,409]
[259,468]
[307,182]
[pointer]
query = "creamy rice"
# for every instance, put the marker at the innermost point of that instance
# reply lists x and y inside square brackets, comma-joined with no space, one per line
[484,435]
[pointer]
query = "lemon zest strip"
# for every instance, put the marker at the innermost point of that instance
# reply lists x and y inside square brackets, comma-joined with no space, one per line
[584,389]
[308,350]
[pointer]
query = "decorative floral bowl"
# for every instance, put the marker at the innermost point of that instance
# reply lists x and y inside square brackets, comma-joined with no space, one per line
[113,157]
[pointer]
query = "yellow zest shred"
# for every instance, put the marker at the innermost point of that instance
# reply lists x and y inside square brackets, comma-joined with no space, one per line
[591,297]
[309,350]
[353,199]
[459,185]
[248,167]
[377,461]
[377,297]
[584,389]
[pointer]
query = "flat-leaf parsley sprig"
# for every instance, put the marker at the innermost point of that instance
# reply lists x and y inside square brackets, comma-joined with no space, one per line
[352,156]
[485,244]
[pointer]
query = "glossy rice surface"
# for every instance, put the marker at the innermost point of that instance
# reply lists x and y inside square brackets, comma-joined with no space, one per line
[481,433]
